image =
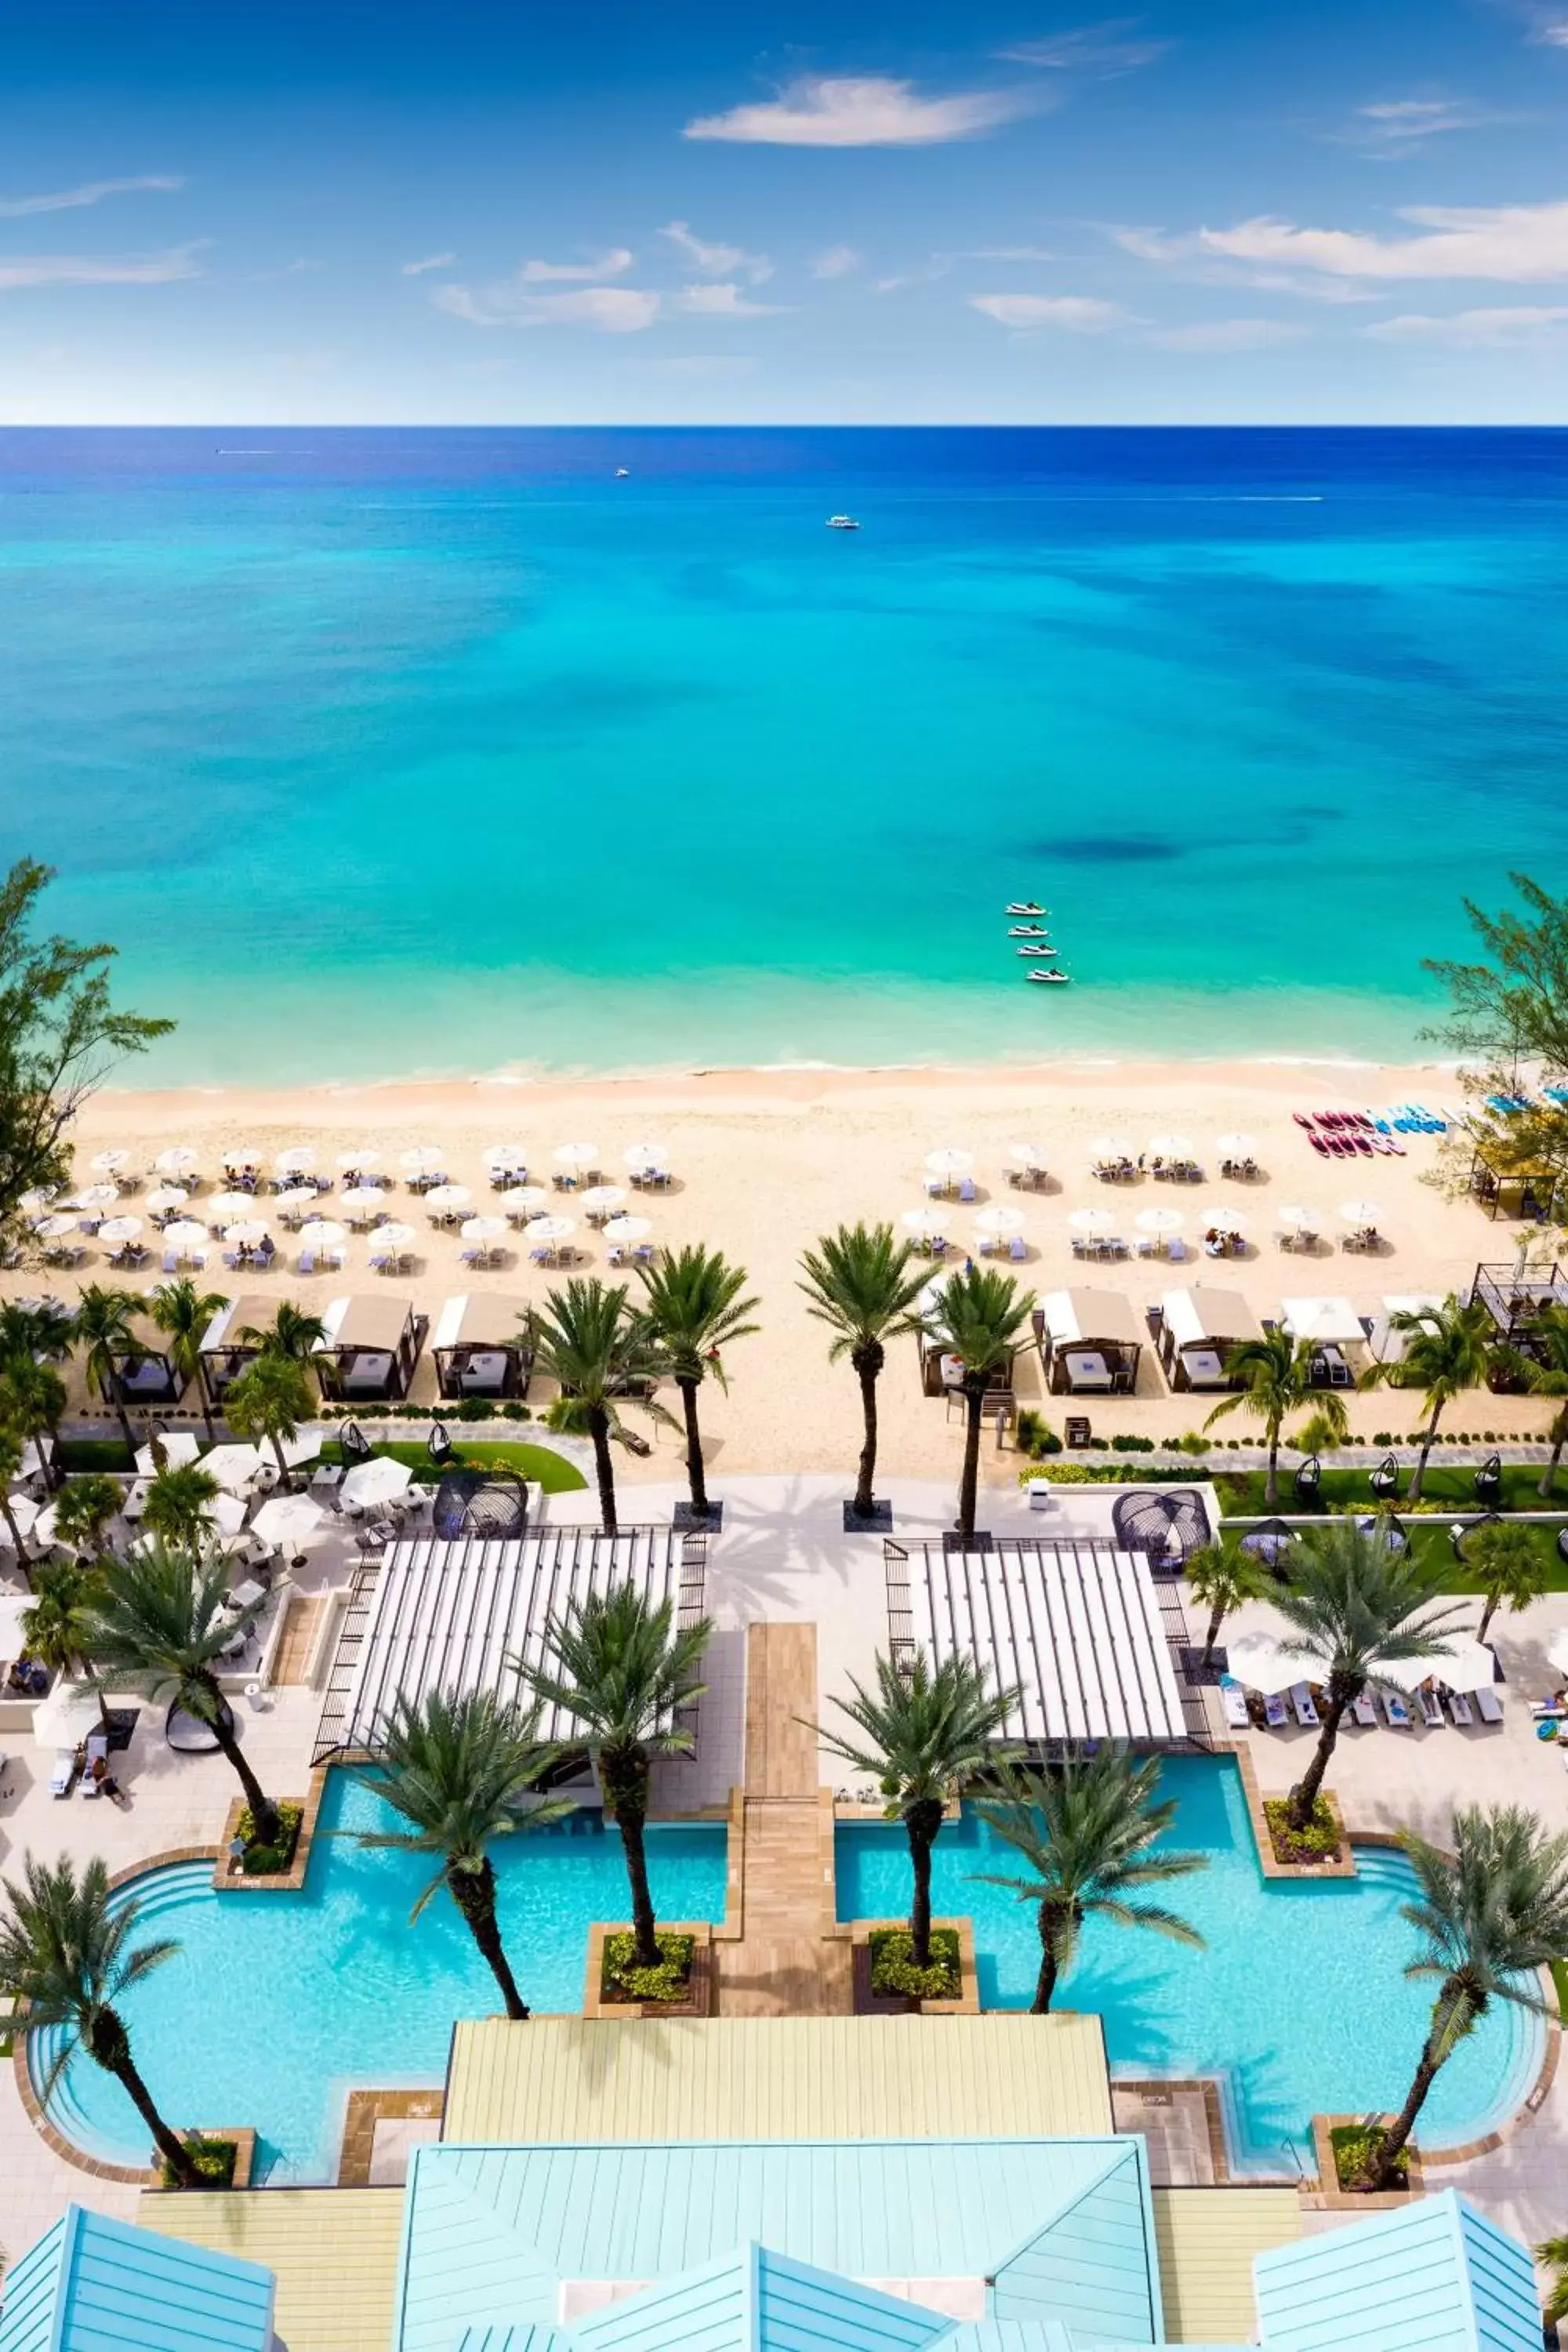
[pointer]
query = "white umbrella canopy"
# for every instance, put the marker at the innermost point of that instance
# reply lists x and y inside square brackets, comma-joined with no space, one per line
[1257,1661]
[603,1196]
[646,1155]
[549,1229]
[933,1220]
[35,1202]
[1236,1145]
[482,1229]
[576,1155]
[180,1446]
[322,1233]
[1360,1212]
[1296,1219]
[226,1513]
[1223,1219]
[523,1198]
[1171,1147]
[120,1229]
[232,1204]
[420,1159]
[628,1229]
[185,1234]
[1000,1220]
[71,1713]
[1110,1147]
[99,1196]
[448,1196]
[1557,1650]
[244,1157]
[27,1514]
[295,1196]
[1463,1663]
[178,1160]
[1092,1221]
[298,1160]
[164,1199]
[110,1163]
[391,1236]
[246,1233]
[499,1156]
[363,1200]
[234,1467]
[379,1480]
[948,1160]
[366,1156]
[1025,1155]
[290,1521]
[55,1228]
[1159,1221]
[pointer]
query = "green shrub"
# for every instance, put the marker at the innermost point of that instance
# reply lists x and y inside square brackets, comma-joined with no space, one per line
[893,1970]
[1194,1443]
[512,1411]
[620,1979]
[269,1861]
[474,1409]
[1355,2146]
[1319,1841]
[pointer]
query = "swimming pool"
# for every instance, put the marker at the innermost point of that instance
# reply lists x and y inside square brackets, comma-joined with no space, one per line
[278,2003]
[1298,2004]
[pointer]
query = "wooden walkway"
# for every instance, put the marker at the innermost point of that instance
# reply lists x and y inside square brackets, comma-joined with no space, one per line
[783,1966]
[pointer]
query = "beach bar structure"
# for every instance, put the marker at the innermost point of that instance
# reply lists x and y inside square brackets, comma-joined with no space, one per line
[369,1349]
[1198,1327]
[148,1373]
[1514,1296]
[1078,1628]
[1338,1336]
[457,1617]
[1504,1190]
[1089,1342]
[482,1347]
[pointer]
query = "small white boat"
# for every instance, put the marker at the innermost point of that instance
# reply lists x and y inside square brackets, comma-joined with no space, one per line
[1059,979]
[1027,907]
[1027,932]
[622,472]
[1035,952]
[842,523]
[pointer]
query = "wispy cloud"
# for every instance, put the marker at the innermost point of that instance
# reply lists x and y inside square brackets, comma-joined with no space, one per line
[716,260]
[870,110]
[91,192]
[1010,253]
[836,261]
[613,264]
[165,269]
[725,301]
[1475,330]
[1225,335]
[1394,127]
[513,303]
[1114,47]
[430,261]
[1520,243]
[1074,314]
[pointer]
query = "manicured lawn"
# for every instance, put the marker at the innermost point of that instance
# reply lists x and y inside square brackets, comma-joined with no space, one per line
[1241,1491]
[1429,1544]
[84,1453]
[540,1462]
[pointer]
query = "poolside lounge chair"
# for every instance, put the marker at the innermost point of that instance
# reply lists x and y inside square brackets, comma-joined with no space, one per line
[1176,1249]
[1363,1711]
[308,1261]
[63,1772]
[966,1189]
[1489,1706]
[1397,1711]
[1276,1714]
[1307,1713]
[1233,1699]
[1432,1714]
[1016,1250]
[1460,1708]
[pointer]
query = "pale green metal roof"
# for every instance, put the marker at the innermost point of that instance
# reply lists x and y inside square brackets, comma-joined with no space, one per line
[759,2301]
[1432,2276]
[91,2285]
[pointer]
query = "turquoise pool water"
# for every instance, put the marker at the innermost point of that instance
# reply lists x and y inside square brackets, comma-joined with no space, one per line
[1298,2004]
[278,2004]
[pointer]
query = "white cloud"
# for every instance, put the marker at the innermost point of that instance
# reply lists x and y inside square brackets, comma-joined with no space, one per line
[1391,127]
[1077,314]
[1474,330]
[605,310]
[726,301]
[165,269]
[870,110]
[1010,253]
[91,192]
[837,261]
[613,264]
[1520,243]
[716,260]
[1225,335]
[430,261]
[1114,46]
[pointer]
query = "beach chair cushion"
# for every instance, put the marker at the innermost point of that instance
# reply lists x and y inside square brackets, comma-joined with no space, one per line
[1233,1699]
[1459,1708]
[1432,1714]
[1276,1714]
[1364,1712]
[1397,1711]
[1489,1706]
[1307,1714]
[62,1772]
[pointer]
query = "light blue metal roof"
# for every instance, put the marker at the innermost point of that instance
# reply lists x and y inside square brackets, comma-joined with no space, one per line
[758,2301]
[1432,2276]
[95,2285]
[1063,2227]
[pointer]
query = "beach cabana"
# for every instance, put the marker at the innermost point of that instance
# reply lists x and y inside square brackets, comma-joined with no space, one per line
[1090,1343]
[1385,1343]
[225,1354]
[1337,1334]
[149,1375]
[1514,1296]
[1198,1327]
[480,1347]
[1505,1190]
[369,1349]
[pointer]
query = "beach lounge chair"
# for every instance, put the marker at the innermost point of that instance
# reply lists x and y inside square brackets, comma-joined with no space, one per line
[1176,1249]
[1489,1706]
[1016,1249]
[1363,1711]
[988,1245]
[62,1772]
[1233,1699]
[1460,1709]
[1397,1711]
[1307,1713]
[1276,1714]
[1432,1714]
[966,1189]
[171,1261]
[308,1261]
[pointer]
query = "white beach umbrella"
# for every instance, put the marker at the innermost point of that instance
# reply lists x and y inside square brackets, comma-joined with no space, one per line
[523,1199]
[1223,1219]
[164,1199]
[1557,1650]
[27,1514]
[363,1200]
[603,1196]
[231,1205]
[178,1160]
[379,1480]
[1025,1155]
[244,1155]
[70,1713]
[1110,1147]
[226,1513]
[448,1196]
[646,1155]
[245,1233]
[185,1234]
[120,1229]
[298,1160]
[362,1156]
[322,1233]
[1000,1220]
[180,1446]
[55,1228]
[234,1467]
[1360,1212]
[420,1159]
[541,1230]
[576,1155]
[290,1521]
[1171,1147]
[482,1229]
[110,1163]
[930,1297]
[628,1229]
[1257,1661]
[949,1161]
[1296,1219]
[1463,1663]
[1092,1221]
[389,1234]
[500,1157]
[932,1221]
[35,1202]
[295,1196]
[1159,1221]
[99,1196]
[1236,1146]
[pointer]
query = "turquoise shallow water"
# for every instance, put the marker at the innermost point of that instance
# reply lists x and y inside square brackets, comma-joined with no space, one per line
[274,2007]
[1298,2002]
[381,752]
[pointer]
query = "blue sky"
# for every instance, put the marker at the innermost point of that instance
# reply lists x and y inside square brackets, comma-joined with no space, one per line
[995,211]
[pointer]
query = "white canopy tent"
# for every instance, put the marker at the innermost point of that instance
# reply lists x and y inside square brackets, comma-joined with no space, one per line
[1327,1322]
[1388,1344]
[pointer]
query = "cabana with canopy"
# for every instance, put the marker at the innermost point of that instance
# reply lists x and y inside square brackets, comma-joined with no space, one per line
[1388,1344]
[149,1374]
[369,1349]
[481,1347]
[1198,1327]
[225,1354]
[1090,1343]
[1337,1335]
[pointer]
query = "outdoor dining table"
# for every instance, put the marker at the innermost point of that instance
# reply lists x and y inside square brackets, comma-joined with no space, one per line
[244,1594]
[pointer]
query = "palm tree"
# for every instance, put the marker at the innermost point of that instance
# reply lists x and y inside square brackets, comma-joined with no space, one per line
[616,1663]
[33,1402]
[1356,1606]
[1086,1829]
[178,1506]
[1509,1564]
[463,1768]
[924,1737]
[1544,1373]
[1492,1914]
[42,1330]
[269,1400]
[862,1283]
[1220,1577]
[161,1622]
[85,1508]
[57,1625]
[1448,1349]
[68,1956]
[980,1317]
[695,1308]
[13,1449]
[182,1311]
[294,1334]
[586,1337]
[1276,1376]
[1554,2253]
[103,1328]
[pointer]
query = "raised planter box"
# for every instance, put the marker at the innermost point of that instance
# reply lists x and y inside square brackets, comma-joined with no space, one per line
[867,2003]
[244,2139]
[1358,2200]
[698,1998]
[228,1879]
[1267,1861]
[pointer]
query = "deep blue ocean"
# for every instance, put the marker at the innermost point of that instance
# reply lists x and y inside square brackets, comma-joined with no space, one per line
[389,751]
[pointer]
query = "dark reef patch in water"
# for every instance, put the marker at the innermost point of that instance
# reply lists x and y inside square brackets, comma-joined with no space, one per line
[1108,849]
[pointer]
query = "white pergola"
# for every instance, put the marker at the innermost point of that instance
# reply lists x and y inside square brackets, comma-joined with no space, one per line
[448,1616]
[1077,1627]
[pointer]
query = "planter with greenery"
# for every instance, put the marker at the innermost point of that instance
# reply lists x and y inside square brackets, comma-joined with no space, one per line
[1318,1841]
[263,1859]
[1354,2147]
[215,2159]
[894,1973]
[667,1983]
